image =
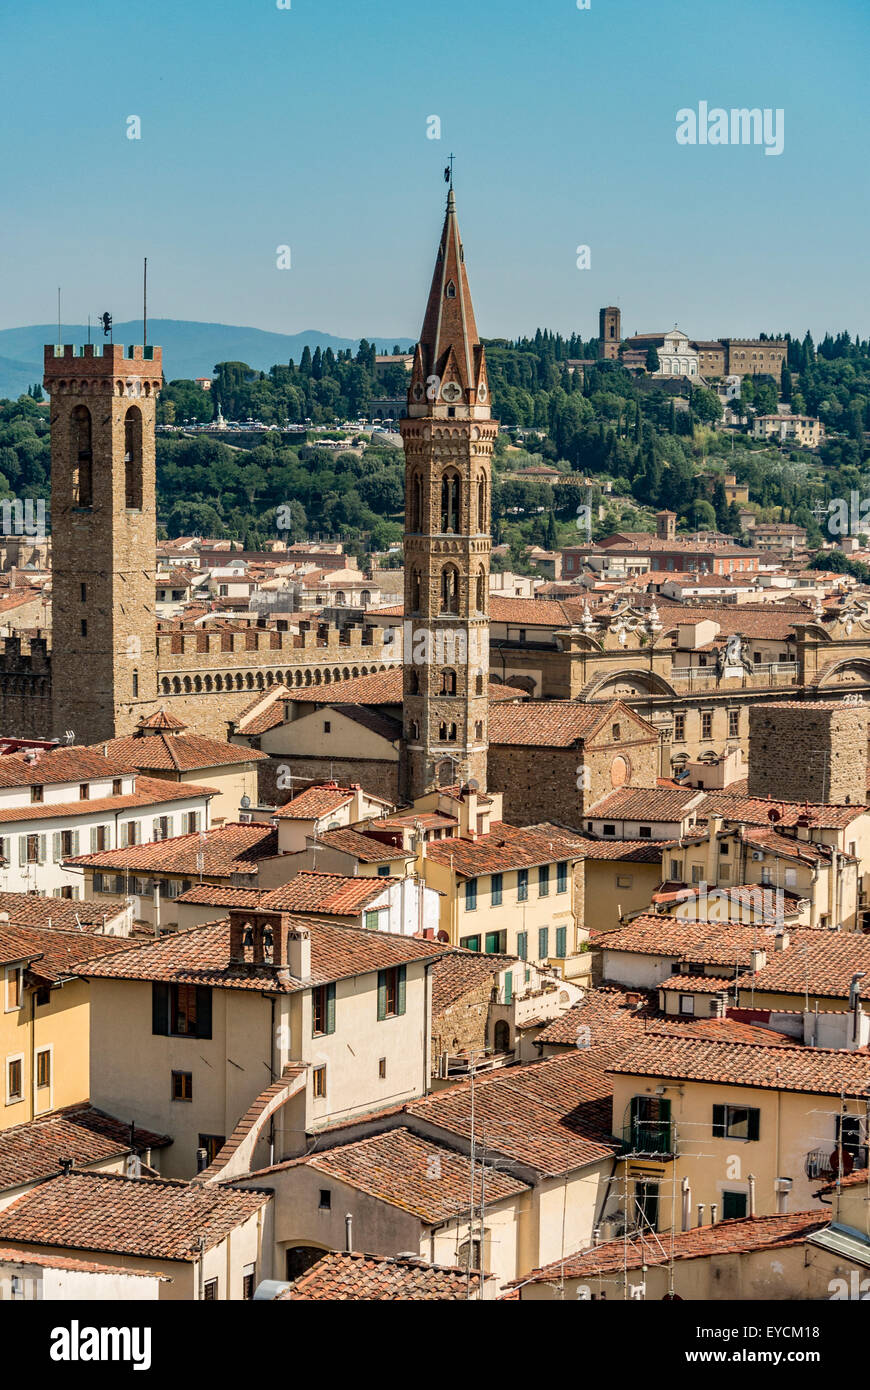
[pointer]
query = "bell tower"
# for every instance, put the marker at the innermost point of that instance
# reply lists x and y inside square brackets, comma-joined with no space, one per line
[448,435]
[104,536]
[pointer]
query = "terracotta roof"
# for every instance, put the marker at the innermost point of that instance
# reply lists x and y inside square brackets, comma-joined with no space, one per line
[153,1218]
[787,846]
[457,971]
[201,955]
[179,752]
[226,849]
[644,804]
[530,612]
[70,914]
[379,688]
[221,895]
[740,1237]
[812,1070]
[767,905]
[859,1177]
[397,1166]
[823,963]
[354,1278]
[616,1015]
[622,851]
[163,719]
[57,765]
[754,810]
[33,1151]
[554,1115]
[51,953]
[657,934]
[334,894]
[505,847]
[150,791]
[363,847]
[696,984]
[558,723]
[316,801]
[30,1257]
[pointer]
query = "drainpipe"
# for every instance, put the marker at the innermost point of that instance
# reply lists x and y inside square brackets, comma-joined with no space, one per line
[751,1181]
[348,1232]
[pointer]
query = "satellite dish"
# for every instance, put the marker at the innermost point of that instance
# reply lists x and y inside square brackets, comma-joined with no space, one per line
[245,802]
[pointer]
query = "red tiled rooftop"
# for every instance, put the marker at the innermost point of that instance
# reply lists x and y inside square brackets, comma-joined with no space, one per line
[351,1277]
[812,1070]
[226,849]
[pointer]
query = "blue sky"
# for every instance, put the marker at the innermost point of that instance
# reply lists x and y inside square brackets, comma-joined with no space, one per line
[307,127]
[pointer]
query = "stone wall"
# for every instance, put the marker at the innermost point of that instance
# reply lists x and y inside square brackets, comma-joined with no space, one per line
[812,751]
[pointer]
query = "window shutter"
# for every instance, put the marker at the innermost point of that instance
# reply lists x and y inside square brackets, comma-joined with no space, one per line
[75,842]
[718,1121]
[155,828]
[401,974]
[330,1008]
[203,1011]
[160,1009]
[41,856]
[93,839]
[508,988]
[523,945]
[382,995]
[543,942]
[22,850]
[754,1125]
[55,851]
[561,942]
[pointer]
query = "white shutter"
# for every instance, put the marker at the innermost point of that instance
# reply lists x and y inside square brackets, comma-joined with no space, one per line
[93,839]
[22,850]
[56,850]
[155,828]
[41,856]
[75,842]
[170,827]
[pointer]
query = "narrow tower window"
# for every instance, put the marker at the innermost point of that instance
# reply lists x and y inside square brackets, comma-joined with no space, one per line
[450,589]
[82,457]
[448,682]
[451,499]
[133,459]
[481,505]
[417,504]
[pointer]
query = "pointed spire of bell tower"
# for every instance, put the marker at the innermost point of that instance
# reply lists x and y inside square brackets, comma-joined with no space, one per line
[449,364]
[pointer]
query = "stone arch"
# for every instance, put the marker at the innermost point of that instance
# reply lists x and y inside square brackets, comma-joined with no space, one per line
[188,686]
[81,457]
[624,684]
[218,682]
[318,676]
[451,501]
[308,676]
[449,589]
[260,681]
[197,684]
[133,459]
[176,685]
[209,684]
[298,678]
[165,686]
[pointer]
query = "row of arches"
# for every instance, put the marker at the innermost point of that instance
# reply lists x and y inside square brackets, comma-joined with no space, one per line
[102,387]
[82,457]
[447,731]
[450,589]
[209,684]
[451,509]
[446,682]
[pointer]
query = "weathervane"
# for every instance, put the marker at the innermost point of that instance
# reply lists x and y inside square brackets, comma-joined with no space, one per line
[448,172]
[106,321]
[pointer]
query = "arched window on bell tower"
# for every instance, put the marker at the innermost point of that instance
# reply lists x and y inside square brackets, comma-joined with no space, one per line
[481,504]
[451,501]
[415,591]
[417,503]
[133,459]
[448,681]
[82,457]
[450,589]
[413,683]
[480,592]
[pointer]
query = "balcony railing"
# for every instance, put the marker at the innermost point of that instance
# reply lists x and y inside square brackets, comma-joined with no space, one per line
[650,1137]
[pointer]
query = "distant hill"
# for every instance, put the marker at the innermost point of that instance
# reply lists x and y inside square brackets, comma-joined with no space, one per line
[189,349]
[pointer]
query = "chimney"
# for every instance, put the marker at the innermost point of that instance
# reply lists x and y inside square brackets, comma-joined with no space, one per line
[296,951]
[201,1160]
[751,1181]
[714,1212]
[700,1213]
[780,941]
[686,1204]
[348,1232]
[66,1166]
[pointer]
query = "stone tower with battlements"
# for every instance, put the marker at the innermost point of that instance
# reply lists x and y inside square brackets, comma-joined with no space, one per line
[103,514]
[448,435]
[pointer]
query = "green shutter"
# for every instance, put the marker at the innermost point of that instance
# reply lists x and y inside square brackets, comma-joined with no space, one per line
[400,988]
[382,994]
[561,942]
[754,1126]
[543,943]
[330,1008]
[160,1009]
[203,1011]
[523,945]
[508,988]
[719,1122]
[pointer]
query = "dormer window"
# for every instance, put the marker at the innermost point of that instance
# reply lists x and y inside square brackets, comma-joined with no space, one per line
[450,291]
